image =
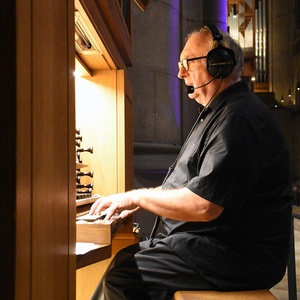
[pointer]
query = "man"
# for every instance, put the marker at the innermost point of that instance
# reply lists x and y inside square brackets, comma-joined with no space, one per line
[226,201]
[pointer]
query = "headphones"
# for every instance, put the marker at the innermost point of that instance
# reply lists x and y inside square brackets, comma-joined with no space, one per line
[220,61]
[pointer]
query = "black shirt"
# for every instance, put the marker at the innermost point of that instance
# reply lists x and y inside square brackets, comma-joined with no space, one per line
[237,158]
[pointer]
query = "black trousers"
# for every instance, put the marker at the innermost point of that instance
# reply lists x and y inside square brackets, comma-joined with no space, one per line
[149,270]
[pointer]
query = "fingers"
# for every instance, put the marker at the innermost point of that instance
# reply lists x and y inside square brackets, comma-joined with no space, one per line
[104,206]
[99,206]
[94,206]
[118,203]
[126,213]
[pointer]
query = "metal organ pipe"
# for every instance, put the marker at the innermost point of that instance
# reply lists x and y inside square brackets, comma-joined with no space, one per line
[264,38]
[261,42]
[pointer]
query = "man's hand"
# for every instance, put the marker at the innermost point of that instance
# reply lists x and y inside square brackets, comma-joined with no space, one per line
[121,204]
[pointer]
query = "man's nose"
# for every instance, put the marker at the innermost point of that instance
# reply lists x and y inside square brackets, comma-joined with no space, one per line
[181,72]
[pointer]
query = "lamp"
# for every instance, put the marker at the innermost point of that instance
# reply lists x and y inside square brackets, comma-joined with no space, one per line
[234,11]
[81,38]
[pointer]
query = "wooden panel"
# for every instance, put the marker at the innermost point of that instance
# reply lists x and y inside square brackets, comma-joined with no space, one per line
[24,152]
[95,254]
[107,18]
[50,149]
[116,21]
[96,119]
[120,89]
[89,277]
[93,60]
[215,295]
[71,206]
[97,232]
[104,117]
[46,128]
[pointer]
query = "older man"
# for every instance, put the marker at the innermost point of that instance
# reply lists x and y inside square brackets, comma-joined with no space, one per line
[226,201]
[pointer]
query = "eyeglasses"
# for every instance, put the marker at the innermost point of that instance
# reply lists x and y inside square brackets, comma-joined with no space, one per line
[184,62]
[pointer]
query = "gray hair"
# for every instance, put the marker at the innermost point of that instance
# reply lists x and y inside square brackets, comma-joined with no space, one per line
[227,42]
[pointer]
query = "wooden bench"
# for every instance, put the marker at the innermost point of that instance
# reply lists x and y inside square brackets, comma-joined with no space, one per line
[251,295]
[214,295]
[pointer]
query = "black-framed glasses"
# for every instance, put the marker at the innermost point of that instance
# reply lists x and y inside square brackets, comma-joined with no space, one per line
[184,62]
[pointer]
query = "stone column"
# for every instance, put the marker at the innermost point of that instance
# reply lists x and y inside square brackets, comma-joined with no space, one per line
[162,112]
[155,40]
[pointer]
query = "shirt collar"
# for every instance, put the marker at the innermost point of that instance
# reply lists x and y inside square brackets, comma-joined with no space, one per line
[227,93]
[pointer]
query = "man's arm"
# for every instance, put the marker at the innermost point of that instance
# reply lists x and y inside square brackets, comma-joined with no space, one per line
[178,204]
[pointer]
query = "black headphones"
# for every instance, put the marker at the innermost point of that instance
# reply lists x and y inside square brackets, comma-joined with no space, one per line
[220,61]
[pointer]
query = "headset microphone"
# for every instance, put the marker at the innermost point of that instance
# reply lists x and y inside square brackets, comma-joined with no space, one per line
[191,89]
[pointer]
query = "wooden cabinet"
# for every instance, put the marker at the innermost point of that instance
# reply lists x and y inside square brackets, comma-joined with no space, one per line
[39,107]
